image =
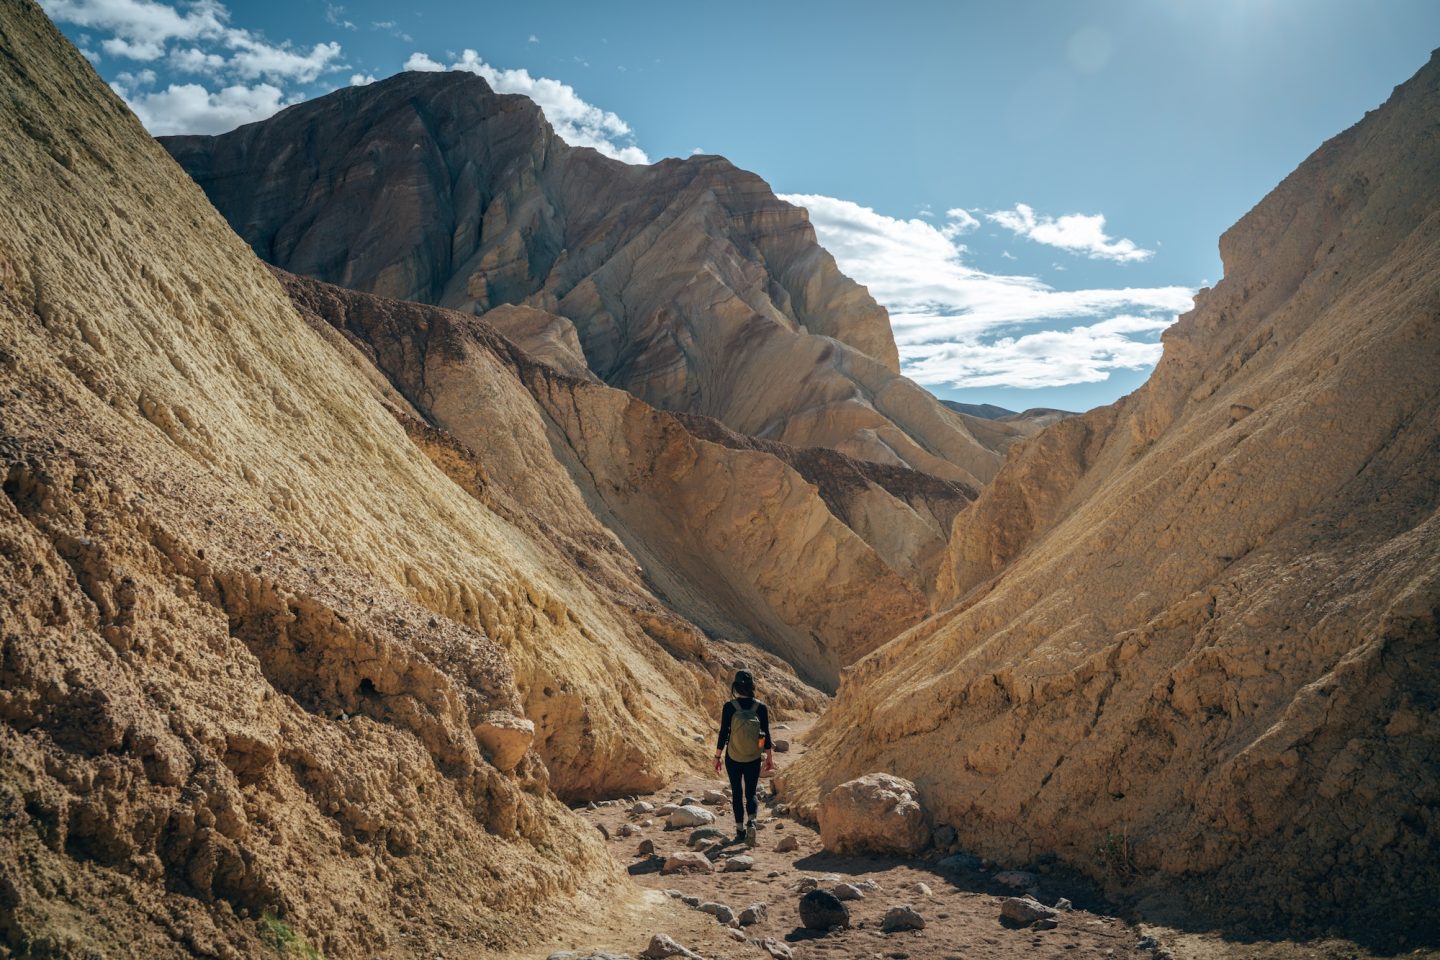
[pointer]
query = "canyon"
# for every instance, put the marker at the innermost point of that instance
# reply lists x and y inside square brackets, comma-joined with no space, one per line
[386,478]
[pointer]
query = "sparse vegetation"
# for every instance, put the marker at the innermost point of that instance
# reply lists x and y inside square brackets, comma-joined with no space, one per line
[285,940]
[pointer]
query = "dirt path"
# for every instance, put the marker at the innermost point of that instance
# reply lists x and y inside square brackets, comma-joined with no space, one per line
[961,909]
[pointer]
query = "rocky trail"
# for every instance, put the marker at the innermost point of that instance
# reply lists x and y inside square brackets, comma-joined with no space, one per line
[747,904]
[742,902]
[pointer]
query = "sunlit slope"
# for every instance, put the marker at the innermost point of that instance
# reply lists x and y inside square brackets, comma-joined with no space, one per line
[1194,634]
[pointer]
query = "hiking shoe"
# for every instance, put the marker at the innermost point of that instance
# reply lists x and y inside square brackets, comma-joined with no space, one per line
[750,834]
[741,835]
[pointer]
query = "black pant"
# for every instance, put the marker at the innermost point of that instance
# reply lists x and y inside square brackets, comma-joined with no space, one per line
[748,774]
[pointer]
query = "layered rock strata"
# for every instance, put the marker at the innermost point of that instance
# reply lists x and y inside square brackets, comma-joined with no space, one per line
[1191,637]
[686,283]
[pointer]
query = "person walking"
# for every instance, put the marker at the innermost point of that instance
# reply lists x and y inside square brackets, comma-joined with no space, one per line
[744,736]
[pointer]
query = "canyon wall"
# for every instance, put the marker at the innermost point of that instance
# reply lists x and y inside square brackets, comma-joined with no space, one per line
[1190,639]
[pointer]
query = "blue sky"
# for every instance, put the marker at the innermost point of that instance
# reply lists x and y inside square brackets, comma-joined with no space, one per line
[1032,188]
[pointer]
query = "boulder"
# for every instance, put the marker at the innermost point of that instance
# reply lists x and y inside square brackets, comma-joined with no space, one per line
[691,816]
[504,738]
[646,848]
[876,813]
[753,914]
[901,917]
[688,862]
[737,864]
[847,891]
[821,910]
[662,946]
[1025,910]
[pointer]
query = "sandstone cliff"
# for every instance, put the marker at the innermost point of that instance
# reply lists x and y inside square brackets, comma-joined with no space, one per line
[1192,637]
[261,631]
[814,557]
[686,283]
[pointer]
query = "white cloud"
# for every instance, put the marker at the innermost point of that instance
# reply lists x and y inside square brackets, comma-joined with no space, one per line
[960,221]
[577,122]
[89,54]
[361,79]
[534,39]
[960,326]
[142,22]
[696,151]
[255,59]
[144,78]
[190,108]
[195,60]
[133,49]
[335,13]
[1075,232]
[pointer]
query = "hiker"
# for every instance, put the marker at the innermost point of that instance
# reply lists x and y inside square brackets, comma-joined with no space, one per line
[744,735]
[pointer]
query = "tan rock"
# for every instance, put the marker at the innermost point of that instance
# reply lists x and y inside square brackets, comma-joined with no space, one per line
[1202,624]
[687,861]
[876,813]
[505,738]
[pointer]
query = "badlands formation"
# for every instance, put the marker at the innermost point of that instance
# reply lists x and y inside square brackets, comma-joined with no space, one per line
[1190,639]
[326,583]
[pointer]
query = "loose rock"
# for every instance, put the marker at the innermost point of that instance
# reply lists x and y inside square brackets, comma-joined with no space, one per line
[820,910]
[755,913]
[876,813]
[662,946]
[1025,910]
[688,861]
[901,917]
[1018,879]
[847,891]
[1045,923]
[923,889]
[690,815]
[776,949]
[705,835]
[737,864]
[642,807]
[715,796]
[646,848]
[787,844]
[719,911]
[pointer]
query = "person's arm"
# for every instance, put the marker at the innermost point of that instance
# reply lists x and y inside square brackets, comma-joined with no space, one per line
[764,712]
[724,738]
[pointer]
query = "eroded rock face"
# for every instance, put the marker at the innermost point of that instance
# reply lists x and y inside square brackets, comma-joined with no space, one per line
[876,813]
[1211,640]
[686,283]
[749,540]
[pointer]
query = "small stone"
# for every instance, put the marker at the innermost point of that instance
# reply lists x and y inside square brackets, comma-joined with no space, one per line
[753,914]
[1025,910]
[776,949]
[625,830]
[782,746]
[664,810]
[737,864]
[1063,904]
[642,807]
[719,911]
[1146,943]
[821,910]
[847,891]
[788,844]
[705,835]
[690,815]
[715,796]
[672,893]
[736,935]
[806,884]
[923,889]
[1045,923]
[662,946]
[773,874]
[646,848]
[647,823]
[688,801]
[688,861]
[868,885]
[690,900]
[901,917]
[604,831]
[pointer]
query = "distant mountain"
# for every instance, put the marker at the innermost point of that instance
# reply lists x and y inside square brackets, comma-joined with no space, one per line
[985,411]
[687,283]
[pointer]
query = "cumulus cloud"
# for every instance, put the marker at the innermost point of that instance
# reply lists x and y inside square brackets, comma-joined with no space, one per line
[1075,232]
[196,37]
[361,79]
[190,108]
[964,327]
[577,122]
